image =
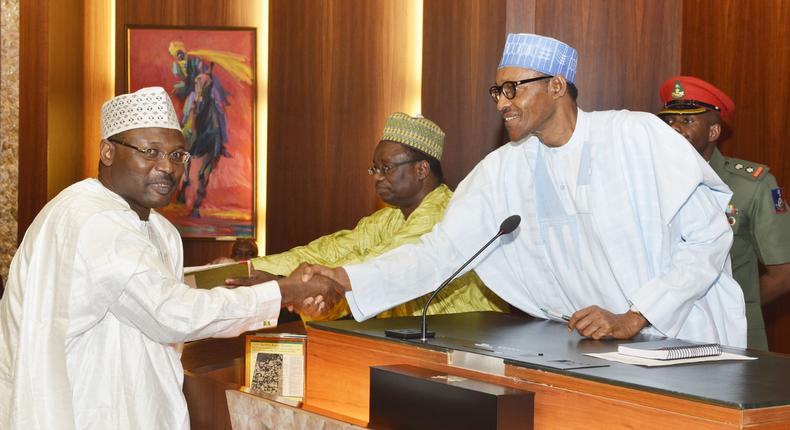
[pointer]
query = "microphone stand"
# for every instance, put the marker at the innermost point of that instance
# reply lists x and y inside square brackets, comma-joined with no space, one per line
[424,335]
[507,226]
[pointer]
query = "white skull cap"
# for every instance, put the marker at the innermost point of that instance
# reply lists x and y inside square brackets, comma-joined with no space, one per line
[144,108]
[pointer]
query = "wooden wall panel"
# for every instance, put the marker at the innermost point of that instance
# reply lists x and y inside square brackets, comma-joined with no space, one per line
[741,46]
[520,16]
[626,48]
[98,77]
[64,98]
[239,13]
[217,13]
[33,65]
[462,45]
[336,70]
[50,94]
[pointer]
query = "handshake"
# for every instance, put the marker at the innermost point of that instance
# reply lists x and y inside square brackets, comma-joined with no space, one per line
[311,290]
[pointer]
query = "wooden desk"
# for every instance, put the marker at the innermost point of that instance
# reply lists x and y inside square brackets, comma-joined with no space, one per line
[212,366]
[720,395]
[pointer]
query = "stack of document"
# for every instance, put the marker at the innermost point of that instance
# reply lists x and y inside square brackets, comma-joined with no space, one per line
[670,349]
[668,352]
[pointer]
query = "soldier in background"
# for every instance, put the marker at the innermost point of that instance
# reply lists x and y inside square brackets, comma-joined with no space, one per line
[758,210]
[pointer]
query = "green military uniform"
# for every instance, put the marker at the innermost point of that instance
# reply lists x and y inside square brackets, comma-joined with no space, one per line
[761,225]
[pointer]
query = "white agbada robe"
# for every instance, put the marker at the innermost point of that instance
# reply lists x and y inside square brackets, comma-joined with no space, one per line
[92,314]
[640,222]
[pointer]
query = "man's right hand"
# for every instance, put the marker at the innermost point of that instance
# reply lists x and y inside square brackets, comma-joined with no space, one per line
[313,295]
[338,274]
[597,323]
[258,277]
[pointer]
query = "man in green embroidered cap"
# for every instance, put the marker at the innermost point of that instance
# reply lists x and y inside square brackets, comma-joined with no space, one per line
[757,212]
[408,177]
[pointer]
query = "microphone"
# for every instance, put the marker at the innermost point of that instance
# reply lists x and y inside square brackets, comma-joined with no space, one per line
[508,225]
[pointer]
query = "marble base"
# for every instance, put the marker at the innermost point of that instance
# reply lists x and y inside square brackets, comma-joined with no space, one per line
[251,412]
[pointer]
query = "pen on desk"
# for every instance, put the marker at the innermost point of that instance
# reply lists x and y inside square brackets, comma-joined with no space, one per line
[554,314]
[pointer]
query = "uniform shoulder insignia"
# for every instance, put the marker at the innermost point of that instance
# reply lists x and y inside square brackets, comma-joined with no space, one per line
[780,204]
[746,169]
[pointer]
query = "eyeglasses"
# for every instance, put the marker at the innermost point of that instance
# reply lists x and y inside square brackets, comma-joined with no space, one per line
[508,88]
[178,156]
[373,170]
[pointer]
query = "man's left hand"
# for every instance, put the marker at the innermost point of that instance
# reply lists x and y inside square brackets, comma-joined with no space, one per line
[598,323]
[310,296]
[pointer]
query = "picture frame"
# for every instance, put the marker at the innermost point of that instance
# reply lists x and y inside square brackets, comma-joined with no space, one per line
[209,73]
[274,364]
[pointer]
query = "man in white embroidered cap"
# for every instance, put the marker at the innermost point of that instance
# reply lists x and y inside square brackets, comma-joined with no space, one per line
[623,228]
[95,303]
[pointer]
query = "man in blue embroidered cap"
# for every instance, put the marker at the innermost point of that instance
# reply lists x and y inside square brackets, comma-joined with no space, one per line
[757,212]
[623,225]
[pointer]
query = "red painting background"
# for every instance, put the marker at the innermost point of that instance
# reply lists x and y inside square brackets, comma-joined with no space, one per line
[228,208]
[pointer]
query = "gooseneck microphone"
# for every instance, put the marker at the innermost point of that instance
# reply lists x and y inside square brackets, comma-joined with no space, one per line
[508,225]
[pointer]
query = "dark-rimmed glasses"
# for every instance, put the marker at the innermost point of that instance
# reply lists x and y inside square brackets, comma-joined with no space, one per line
[508,88]
[373,170]
[178,156]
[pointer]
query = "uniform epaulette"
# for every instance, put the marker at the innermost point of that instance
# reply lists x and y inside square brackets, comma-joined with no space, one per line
[745,168]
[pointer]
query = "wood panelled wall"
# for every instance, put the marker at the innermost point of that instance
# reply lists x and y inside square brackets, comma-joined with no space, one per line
[336,70]
[64,98]
[33,85]
[743,47]
[462,44]
[50,97]
[206,13]
[626,48]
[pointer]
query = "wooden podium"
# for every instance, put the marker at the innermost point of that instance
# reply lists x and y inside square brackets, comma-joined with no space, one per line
[517,352]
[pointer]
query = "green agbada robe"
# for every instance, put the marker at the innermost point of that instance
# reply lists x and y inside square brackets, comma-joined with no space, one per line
[376,234]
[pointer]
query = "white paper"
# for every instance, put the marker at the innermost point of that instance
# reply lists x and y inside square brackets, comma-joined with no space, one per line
[627,359]
[193,269]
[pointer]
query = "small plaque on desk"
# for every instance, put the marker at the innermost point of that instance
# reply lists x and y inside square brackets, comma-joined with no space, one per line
[409,397]
[274,364]
[560,363]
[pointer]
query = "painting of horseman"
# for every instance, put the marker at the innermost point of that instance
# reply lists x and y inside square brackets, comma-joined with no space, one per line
[211,76]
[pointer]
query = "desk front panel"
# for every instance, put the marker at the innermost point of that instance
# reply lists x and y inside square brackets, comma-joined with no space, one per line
[340,354]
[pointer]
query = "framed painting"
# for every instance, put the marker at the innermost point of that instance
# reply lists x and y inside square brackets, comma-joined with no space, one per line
[210,76]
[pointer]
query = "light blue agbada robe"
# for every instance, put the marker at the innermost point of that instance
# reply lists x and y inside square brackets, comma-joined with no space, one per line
[659,231]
